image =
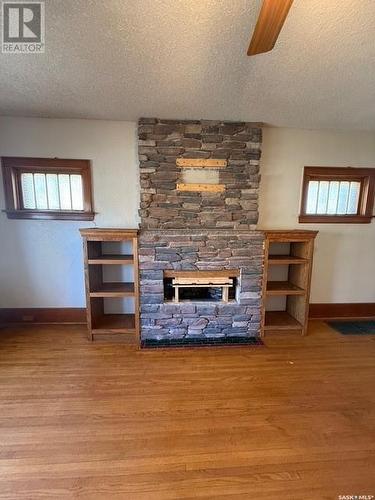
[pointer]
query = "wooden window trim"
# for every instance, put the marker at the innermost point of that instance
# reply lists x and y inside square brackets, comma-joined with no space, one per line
[13,167]
[366,176]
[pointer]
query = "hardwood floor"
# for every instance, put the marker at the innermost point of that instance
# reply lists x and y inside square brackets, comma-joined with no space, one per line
[292,420]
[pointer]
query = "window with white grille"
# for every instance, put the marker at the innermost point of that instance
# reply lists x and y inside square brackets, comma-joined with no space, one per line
[52,191]
[333,197]
[337,194]
[43,188]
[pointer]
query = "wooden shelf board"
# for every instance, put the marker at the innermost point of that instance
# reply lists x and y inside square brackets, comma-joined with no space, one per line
[280,320]
[289,236]
[112,259]
[283,288]
[113,289]
[201,163]
[114,323]
[286,259]
[205,188]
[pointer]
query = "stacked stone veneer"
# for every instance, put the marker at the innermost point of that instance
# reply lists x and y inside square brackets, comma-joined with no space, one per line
[199,231]
[161,142]
[200,250]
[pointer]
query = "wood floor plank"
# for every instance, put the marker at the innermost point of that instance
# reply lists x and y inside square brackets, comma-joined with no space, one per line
[292,420]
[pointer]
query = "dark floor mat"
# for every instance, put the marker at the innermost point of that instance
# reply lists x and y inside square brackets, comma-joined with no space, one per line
[353,327]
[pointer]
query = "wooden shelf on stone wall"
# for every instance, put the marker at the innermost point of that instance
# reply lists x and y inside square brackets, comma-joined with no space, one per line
[201,163]
[98,290]
[298,257]
[199,274]
[203,188]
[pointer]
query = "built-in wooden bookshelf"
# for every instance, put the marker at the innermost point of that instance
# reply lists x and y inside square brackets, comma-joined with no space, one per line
[102,248]
[294,251]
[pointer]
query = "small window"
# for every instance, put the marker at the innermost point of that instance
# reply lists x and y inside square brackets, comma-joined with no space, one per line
[333,194]
[43,188]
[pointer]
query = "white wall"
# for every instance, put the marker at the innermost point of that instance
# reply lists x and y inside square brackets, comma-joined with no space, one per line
[344,264]
[41,261]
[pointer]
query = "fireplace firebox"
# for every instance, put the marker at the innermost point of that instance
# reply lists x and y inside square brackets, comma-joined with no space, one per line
[214,286]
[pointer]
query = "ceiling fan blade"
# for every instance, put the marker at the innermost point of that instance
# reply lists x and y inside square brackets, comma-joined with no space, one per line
[270,21]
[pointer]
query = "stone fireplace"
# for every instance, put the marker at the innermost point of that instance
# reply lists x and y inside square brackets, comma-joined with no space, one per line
[201,257]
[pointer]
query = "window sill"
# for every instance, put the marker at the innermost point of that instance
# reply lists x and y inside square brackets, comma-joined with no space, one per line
[49,215]
[335,219]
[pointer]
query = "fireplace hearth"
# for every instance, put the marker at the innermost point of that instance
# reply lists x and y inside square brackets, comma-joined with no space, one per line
[200,255]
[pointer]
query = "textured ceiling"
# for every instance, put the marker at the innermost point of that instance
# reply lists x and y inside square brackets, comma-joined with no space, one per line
[122,59]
